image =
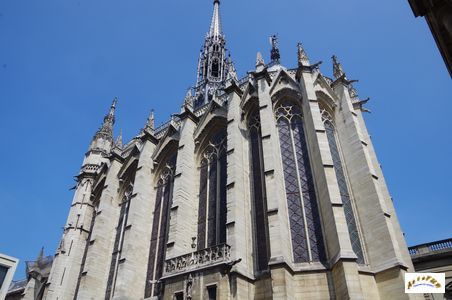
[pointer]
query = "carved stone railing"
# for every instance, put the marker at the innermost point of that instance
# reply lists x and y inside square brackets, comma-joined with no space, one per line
[89,168]
[161,130]
[197,260]
[199,111]
[430,248]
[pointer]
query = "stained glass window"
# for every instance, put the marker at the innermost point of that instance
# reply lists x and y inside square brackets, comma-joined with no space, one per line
[212,193]
[160,224]
[258,193]
[304,218]
[343,187]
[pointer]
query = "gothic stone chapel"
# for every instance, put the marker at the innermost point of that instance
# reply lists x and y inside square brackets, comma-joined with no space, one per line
[264,187]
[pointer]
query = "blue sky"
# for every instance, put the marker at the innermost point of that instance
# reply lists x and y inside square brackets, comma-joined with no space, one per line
[62,62]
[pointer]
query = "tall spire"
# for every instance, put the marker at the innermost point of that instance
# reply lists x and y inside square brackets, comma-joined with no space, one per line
[215,25]
[213,61]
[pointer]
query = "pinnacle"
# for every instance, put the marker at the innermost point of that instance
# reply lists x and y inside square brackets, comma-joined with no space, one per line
[337,67]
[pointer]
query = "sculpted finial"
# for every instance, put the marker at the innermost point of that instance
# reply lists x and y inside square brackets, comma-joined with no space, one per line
[337,68]
[303,59]
[150,122]
[259,60]
[118,142]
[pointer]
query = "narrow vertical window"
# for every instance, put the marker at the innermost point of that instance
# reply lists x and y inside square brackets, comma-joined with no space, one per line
[212,194]
[343,187]
[159,235]
[304,218]
[212,292]
[258,193]
[119,241]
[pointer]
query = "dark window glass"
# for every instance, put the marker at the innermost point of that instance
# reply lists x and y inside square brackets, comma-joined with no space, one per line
[159,234]
[179,296]
[343,189]
[304,218]
[3,272]
[212,194]
[215,68]
[212,292]
[258,193]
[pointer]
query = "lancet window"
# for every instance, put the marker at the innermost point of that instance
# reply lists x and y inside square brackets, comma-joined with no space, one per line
[304,218]
[212,193]
[119,240]
[258,193]
[160,228]
[343,186]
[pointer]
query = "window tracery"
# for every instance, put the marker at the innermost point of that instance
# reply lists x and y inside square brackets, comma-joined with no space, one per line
[160,226]
[342,182]
[212,193]
[304,218]
[258,192]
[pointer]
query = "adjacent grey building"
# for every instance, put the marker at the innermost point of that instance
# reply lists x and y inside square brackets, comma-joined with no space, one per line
[434,257]
[263,187]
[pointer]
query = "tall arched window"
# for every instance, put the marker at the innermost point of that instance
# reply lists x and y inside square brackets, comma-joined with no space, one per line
[304,219]
[258,193]
[160,226]
[212,193]
[343,187]
[119,239]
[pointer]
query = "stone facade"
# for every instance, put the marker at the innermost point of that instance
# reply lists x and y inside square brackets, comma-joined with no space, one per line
[267,187]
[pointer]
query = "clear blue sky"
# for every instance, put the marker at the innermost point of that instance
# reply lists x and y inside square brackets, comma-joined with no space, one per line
[62,62]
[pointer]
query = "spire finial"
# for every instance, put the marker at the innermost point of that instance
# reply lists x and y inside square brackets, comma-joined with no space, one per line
[274,54]
[259,59]
[337,68]
[303,59]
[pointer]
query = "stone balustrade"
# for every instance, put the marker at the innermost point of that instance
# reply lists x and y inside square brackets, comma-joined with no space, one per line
[196,260]
[431,247]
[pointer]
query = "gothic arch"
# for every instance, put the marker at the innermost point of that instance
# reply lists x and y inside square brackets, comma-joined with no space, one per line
[213,121]
[257,190]
[326,102]
[283,81]
[327,113]
[303,209]
[212,163]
